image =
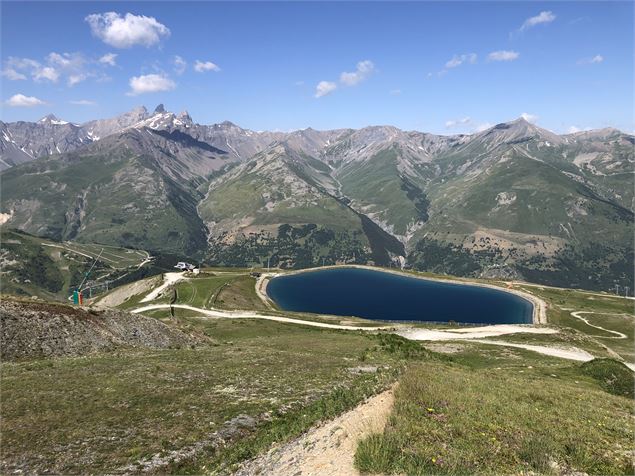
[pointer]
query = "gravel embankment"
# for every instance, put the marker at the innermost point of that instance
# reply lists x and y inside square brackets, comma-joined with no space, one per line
[36,330]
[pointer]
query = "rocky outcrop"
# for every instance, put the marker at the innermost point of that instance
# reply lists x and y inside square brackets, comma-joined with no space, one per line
[38,330]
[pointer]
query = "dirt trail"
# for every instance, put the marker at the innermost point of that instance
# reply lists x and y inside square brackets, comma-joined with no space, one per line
[329,449]
[119,295]
[255,315]
[472,332]
[618,335]
[571,353]
[168,280]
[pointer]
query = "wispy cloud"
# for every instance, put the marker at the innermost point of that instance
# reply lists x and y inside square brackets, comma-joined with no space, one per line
[394,92]
[20,100]
[540,19]
[83,102]
[458,60]
[455,62]
[125,31]
[203,66]
[529,117]
[593,60]
[109,59]
[467,125]
[324,87]
[12,75]
[71,67]
[180,65]
[483,127]
[452,123]
[363,70]
[503,55]
[150,83]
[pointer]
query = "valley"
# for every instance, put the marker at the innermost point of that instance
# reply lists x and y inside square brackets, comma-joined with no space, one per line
[258,378]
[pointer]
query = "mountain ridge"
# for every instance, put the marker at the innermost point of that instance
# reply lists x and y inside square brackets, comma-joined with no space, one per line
[513,201]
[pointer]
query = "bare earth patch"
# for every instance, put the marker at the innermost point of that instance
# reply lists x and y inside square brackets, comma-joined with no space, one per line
[328,449]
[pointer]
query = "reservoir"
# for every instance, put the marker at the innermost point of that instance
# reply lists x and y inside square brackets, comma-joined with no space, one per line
[394,297]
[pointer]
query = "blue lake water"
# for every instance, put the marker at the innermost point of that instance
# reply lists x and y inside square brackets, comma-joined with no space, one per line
[386,296]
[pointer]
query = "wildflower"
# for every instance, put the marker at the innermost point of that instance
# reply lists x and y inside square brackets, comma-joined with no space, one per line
[431,410]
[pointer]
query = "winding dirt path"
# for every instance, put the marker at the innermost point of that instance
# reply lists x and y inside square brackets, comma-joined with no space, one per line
[328,449]
[618,335]
[570,353]
[255,315]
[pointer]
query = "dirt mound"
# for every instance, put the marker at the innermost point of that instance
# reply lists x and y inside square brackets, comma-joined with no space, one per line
[35,330]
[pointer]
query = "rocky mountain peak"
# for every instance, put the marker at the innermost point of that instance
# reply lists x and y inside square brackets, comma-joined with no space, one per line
[159,109]
[185,118]
[519,130]
[52,119]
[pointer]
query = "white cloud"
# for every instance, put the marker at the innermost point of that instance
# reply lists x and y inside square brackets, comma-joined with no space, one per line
[109,59]
[74,79]
[458,122]
[150,83]
[324,87]
[179,65]
[483,127]
[542,17]
[529,117]
[126,31]
[73,67]
[363,70]
[575,129]
[594,60]
[458,60]
[17,68]
[83,102]
[503,55]
[394,92]
[47,73]
[20,100]
[202,66]
[12,74]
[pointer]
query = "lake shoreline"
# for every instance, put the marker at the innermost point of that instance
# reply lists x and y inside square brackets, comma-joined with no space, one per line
[539,307]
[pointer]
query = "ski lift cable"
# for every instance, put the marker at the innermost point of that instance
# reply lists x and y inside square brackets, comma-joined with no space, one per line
[79,288]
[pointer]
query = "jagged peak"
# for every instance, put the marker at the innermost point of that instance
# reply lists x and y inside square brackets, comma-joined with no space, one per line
[139,109]
[159,109]
[185,117]
[52,119]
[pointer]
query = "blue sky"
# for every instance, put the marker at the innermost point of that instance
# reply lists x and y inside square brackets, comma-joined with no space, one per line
[437,67]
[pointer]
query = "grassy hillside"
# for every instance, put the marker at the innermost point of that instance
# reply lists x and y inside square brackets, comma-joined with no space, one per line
[109,195]
[34,266]
[452,418]
[462,407]
[129,406]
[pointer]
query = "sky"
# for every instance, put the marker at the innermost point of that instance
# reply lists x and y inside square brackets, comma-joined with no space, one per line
[441,67]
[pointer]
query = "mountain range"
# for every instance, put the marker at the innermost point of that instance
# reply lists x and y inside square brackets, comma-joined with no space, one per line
[514,201]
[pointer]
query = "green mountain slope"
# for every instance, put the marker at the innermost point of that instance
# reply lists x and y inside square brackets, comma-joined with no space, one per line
[283,205]
[126,190]
[514,201]
[33,266]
